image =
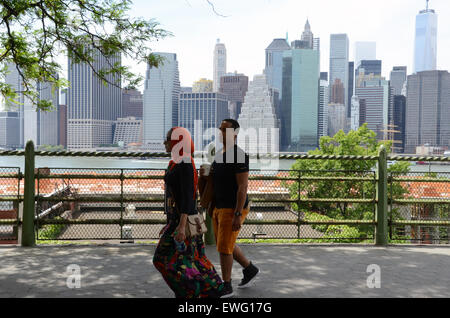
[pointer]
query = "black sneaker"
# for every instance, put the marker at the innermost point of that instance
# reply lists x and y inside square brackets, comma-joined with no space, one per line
[249,274]
[227,290]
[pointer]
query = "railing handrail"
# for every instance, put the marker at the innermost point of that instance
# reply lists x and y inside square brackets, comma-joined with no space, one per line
[166,155]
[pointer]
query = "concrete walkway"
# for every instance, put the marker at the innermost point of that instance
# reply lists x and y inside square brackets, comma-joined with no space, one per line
[286,271]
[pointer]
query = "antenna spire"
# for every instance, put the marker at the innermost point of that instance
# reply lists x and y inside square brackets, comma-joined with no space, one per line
[427,4]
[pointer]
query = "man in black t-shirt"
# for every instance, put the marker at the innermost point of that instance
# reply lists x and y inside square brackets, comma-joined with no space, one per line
[230,174]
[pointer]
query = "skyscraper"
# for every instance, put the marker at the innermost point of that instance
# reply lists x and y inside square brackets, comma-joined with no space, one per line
[350,87]
[322,125]
[207,109]
[220,64]
[337,115]
[398,122]
[427,110]
[132,103]
[161,94]
[48,121]
[374,96]
[274,63]
[308,36]
[354,124]
[398,78]
[92,107]
[339,58]
[33,124]
[9,130]
[202,85]
[337,92]
[425,46]
[300,100]
[365,50]
[258,113]
[13,79]
[370,67]
[234,86]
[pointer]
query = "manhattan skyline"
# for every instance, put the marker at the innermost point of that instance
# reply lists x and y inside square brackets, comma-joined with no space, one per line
[250,26]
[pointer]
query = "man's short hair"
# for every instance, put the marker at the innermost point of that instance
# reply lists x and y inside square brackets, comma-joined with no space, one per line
[234,124]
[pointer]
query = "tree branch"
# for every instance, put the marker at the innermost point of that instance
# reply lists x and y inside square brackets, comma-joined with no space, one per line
[214,10]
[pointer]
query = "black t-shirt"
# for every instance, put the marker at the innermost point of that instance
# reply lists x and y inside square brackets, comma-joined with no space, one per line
[225,167]
[180,182]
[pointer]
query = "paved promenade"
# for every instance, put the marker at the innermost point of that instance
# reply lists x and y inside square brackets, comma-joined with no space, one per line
[286,271]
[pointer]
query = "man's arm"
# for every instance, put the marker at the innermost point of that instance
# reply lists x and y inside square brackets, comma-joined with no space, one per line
[242,182]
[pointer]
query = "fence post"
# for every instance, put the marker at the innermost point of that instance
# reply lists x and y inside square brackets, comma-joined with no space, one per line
[381,232]
[28,235]
[299,203]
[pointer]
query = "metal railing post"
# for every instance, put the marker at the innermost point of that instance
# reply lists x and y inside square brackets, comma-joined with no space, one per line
[28,235]
[381,233]
[299,203]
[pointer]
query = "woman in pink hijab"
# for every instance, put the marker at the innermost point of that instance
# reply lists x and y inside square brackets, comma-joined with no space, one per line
[182,260]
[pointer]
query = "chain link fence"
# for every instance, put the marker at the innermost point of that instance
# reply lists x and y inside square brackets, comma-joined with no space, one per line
[131,202]
[420,207]
[77,198]
[308,206]
[10,190]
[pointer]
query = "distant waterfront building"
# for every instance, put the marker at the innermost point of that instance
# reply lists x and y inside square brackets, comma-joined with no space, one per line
[132,103]
[337,92]
[355,109]
[350,87]
[365,50]
[370,67]
[398,122]
[234,86]
[161,94]
[339,58]
[299,116]
[9,130]
[258,113]
[62,126]
[128,130]
[308,36]
[362,111]
[202,85]
[13,79]
[92,107]
[48,121]
[62,119]
[207,108]
[337,118]
[219,64]
[374,95]
[33,124]
[425,46]
[274,64]
[427,110]
[323,109]
[185,89]
[398,78]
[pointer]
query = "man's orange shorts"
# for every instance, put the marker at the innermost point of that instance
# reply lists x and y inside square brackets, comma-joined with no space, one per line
[222,222]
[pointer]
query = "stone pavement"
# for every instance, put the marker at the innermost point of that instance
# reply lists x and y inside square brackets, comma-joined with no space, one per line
[113,270]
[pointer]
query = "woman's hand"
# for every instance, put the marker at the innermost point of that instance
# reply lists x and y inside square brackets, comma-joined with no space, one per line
[180,234]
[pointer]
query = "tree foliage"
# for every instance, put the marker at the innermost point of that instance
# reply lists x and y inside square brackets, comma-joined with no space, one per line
[34,33]
[362,142]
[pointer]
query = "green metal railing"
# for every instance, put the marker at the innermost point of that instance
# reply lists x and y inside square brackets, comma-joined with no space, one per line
[380,204]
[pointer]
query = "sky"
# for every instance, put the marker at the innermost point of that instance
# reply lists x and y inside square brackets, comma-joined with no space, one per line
[249,26]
